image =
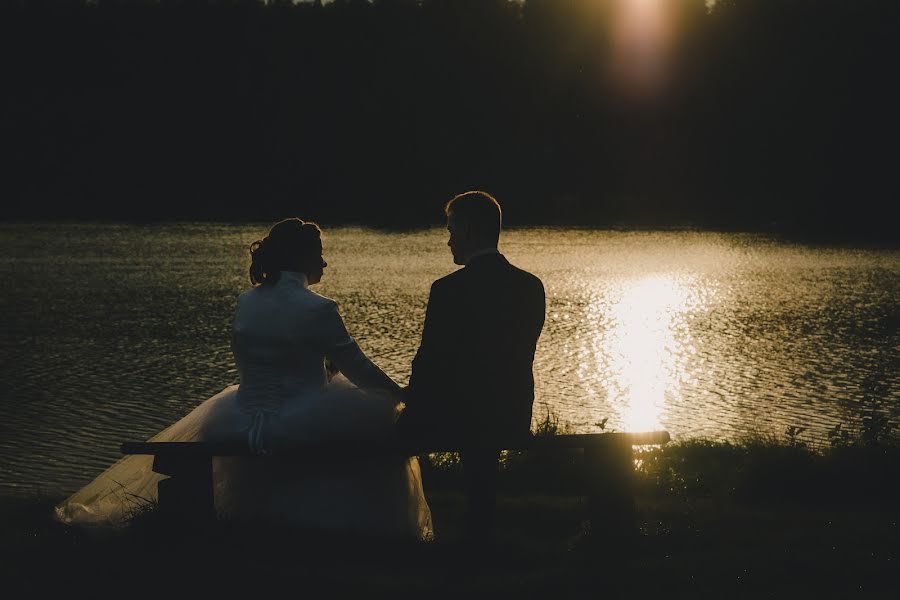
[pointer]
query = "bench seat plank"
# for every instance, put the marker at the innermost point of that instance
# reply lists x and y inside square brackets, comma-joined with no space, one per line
[356,448]
[607,469]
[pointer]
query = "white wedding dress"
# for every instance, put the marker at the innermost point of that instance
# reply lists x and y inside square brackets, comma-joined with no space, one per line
[282,335]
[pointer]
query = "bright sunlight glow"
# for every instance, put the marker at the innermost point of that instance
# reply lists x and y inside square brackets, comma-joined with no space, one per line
[645,346]
[641,37]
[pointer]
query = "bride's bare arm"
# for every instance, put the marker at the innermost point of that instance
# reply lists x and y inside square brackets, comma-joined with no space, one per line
[344,352]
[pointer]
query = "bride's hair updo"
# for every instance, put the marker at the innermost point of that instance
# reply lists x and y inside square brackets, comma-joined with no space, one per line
[292,245]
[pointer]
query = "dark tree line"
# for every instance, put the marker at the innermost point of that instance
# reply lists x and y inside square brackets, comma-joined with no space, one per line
[766,113]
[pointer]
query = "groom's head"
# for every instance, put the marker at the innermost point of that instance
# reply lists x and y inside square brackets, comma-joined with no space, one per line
[473,220]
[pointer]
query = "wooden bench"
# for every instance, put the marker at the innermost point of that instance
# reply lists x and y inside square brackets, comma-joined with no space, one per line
[607,474]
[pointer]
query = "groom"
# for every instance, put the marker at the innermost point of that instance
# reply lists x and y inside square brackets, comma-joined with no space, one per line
[472,386]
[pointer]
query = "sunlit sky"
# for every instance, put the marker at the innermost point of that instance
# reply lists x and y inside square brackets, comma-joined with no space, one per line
[642,34]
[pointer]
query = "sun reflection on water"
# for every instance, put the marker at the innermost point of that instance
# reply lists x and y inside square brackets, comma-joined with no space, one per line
[644,347]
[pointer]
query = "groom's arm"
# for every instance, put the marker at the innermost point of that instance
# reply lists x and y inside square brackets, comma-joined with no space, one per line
[431,363]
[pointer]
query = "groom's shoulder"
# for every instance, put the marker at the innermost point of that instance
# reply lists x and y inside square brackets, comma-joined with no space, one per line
[528,279]
[522,273]
[506,274]
[449,278]
[503,273]
[448,282]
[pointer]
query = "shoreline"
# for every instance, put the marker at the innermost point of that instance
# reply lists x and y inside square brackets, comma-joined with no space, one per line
[872,240]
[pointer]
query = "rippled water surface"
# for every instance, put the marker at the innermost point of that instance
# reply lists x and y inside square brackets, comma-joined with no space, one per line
[110,332]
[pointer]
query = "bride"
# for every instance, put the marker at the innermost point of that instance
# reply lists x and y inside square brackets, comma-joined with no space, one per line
[282,334]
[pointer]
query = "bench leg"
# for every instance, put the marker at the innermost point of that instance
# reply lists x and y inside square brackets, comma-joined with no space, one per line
[188,491]
[609,478]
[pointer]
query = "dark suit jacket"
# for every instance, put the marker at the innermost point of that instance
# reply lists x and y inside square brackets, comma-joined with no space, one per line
[472,376]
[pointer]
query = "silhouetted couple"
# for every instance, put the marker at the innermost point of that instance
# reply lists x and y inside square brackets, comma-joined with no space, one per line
[471,389]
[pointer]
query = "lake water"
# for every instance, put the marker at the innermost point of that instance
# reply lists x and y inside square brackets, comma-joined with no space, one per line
[110,332]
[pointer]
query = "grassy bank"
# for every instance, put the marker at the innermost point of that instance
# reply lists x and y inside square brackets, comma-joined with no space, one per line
[764,517]
[858,465]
